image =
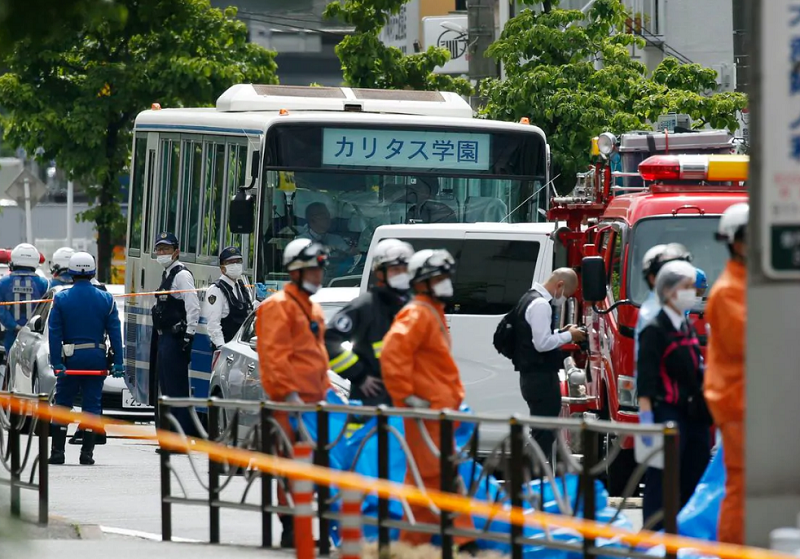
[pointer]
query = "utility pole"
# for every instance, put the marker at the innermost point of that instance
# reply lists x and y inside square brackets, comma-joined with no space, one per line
[771,452]
[480,20]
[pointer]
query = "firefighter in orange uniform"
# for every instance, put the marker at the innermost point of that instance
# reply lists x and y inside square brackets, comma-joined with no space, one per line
[291,342]
[419,372]
[726,315]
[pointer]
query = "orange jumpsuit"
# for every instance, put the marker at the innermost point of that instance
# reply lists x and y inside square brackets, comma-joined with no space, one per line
[291,357]
[416,361]
[726,314]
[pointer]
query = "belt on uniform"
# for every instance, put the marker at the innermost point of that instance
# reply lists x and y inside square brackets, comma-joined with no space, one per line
[89,346]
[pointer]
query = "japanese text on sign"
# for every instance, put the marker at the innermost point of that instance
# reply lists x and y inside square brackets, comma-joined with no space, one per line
[405,148]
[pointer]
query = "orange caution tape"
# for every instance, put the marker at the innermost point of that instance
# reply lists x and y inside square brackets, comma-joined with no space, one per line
[121,296]
[387,489]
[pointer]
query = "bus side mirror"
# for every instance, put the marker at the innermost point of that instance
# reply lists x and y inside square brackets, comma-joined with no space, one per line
[241,216]
[593,278]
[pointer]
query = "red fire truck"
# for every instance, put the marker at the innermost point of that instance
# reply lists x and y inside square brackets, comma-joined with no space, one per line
[670,188]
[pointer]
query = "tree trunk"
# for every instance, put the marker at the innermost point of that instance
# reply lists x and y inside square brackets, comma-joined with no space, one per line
[105,227]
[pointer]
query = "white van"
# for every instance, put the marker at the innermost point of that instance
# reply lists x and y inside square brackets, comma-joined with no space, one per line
[495,264]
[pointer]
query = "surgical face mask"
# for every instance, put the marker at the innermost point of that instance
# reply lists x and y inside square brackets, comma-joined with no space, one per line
[310,287]
[443,289]
[233,271]
[401,282]
[164,259]
[685,299]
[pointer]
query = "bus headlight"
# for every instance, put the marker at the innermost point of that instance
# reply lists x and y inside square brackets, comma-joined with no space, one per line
[626,392]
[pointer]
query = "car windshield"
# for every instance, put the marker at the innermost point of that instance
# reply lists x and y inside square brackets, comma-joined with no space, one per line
[694,232]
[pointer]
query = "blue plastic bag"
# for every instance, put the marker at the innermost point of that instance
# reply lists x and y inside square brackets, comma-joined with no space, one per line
[700,517]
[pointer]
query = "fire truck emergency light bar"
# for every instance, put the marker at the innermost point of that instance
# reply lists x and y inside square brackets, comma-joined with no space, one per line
[712,168]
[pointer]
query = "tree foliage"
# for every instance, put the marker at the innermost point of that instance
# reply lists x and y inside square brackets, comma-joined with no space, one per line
[367,62]
[573,75]
[77,95]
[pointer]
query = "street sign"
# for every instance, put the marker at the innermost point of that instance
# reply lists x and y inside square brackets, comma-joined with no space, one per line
[402,31]
[780,138]
[449,32]
[16,191]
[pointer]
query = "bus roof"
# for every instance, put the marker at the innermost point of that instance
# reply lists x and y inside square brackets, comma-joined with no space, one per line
[212,121]
[254,97]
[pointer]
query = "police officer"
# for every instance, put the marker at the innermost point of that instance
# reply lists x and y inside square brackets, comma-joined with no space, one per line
[228,302]
[175,317]
[366,320]
[21,286]
[78,323]
[59,267]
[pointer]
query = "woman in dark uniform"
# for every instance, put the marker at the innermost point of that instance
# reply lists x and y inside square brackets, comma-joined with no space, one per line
[670,381]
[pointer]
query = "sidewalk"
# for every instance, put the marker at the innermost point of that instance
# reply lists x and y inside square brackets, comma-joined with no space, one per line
[129,548]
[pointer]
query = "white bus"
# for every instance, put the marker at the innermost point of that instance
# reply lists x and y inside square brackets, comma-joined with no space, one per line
[270,163]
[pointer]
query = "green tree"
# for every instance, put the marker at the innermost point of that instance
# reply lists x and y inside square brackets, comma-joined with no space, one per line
[573,75]
[77,96]
[367,62]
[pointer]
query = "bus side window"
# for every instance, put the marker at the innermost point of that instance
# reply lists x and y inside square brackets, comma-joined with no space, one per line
[170,171]
[137,196]
[237,165]
[212,200]
[192,188]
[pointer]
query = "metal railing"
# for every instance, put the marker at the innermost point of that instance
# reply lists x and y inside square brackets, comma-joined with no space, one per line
[518,458]
[18,430]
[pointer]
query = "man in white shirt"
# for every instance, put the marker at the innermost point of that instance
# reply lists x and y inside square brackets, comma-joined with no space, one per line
[318,223]
[228,302]
[537,354]
[175,317]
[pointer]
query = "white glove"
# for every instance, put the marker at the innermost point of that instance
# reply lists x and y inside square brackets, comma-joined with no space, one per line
[418,403]
[294,398]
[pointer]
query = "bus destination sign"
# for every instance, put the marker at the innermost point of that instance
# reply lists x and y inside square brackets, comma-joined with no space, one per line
[352,147]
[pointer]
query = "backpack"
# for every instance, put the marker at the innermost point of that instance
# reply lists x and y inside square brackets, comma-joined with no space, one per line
[505,336]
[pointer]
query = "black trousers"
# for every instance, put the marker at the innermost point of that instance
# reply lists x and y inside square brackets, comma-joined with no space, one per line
[542,392]
[173,377]
[694,451]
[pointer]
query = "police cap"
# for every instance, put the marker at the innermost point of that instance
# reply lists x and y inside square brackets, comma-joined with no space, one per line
[228,253]
[167,239]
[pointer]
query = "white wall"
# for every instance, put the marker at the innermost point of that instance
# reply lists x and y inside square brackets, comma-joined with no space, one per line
[701,30]
[49,222]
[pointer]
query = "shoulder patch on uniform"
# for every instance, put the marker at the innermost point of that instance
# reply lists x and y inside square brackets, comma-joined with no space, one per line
[343,323]
[212,299]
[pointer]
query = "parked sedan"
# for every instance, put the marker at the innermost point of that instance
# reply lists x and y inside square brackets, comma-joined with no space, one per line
[235,373]
[29,367]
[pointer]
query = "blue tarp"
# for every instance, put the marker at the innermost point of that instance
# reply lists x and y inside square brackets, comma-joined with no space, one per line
[343,456]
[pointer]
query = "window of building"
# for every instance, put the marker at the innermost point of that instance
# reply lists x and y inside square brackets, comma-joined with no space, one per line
[491,274]
[137,196]
[192,189]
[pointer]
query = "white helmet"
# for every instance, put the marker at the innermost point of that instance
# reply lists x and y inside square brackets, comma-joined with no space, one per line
[733,221]
[650,258]
[304,253]
[391,252]
[25,256]
[60,261]
[82,265]
[427,264]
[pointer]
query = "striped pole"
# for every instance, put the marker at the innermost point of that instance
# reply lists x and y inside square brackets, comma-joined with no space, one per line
[303,493]
[351,524]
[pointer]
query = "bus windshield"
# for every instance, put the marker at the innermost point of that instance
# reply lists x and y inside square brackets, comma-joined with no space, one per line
[694,232]
[314,190]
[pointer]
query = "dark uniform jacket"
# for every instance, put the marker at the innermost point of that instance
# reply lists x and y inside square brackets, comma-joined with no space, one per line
[364,323]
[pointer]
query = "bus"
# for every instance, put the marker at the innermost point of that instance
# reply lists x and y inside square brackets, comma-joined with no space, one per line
[272,163]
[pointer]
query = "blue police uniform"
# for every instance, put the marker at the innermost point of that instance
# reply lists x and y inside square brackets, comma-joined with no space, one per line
[78,323]
[18,286]
[175,319]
